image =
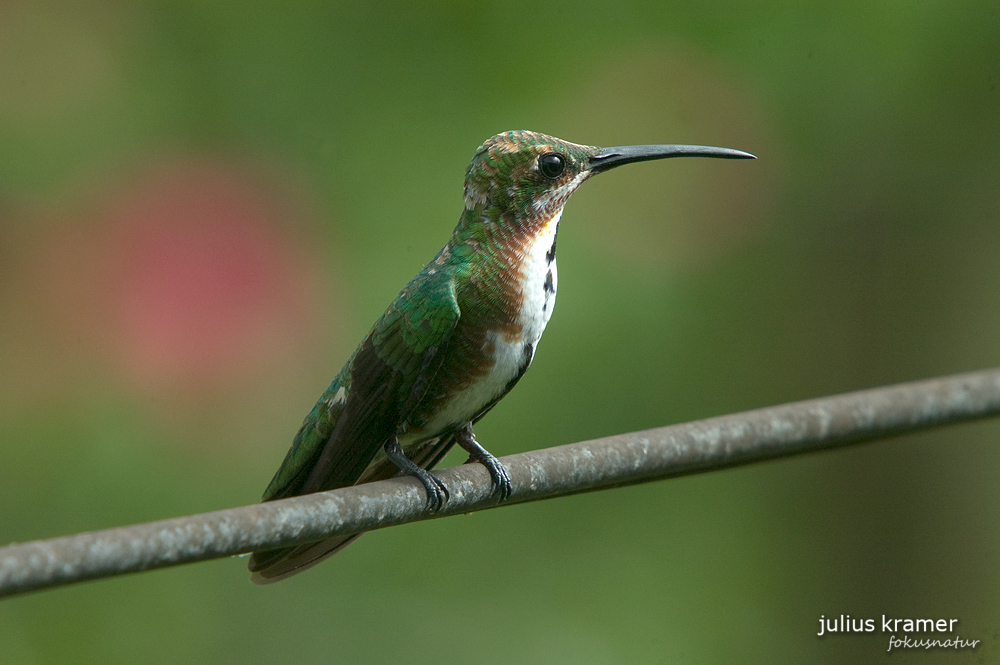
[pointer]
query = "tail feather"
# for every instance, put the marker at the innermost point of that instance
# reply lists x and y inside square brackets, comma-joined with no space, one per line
[267,566]
[275,565]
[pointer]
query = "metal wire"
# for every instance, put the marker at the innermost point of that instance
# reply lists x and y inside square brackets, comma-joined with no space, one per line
[625,459]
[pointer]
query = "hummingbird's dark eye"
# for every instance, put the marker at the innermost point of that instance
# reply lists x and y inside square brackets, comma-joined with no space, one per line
[552,164]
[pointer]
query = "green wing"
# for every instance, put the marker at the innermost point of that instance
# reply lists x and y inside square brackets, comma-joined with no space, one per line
[314,433]
[381,384]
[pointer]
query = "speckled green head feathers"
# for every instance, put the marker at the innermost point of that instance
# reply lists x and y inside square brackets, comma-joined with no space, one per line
[518,175]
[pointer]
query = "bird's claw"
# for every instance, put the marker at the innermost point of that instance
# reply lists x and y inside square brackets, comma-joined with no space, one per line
[499,477]
[437,493]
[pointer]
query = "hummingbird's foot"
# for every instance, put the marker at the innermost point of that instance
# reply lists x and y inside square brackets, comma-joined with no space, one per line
[498,472]
[437,493]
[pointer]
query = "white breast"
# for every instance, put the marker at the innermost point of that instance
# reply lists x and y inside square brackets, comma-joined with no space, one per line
[538,296]
[538,290]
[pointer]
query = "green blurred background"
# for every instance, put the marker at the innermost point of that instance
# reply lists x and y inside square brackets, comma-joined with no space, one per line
[203,206]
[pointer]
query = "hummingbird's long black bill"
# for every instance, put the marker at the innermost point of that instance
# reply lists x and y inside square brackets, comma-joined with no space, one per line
[609,158]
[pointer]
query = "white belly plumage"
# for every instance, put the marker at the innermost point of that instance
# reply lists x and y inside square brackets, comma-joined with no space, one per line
[538,296]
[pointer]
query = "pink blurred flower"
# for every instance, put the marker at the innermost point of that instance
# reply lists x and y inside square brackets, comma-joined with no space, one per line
[193,273]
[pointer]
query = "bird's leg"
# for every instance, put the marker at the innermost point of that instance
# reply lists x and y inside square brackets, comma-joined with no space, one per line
[498,474]
[437,493]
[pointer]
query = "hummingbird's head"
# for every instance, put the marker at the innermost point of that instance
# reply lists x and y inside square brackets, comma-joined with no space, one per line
[525,174]
[522,175]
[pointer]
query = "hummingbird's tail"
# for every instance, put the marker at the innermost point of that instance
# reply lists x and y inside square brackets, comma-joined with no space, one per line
[275,565]
[267,566]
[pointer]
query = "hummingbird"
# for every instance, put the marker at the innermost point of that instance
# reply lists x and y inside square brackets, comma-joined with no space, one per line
[455,340]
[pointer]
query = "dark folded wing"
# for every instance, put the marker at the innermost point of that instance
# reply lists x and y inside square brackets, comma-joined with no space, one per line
[380,386]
